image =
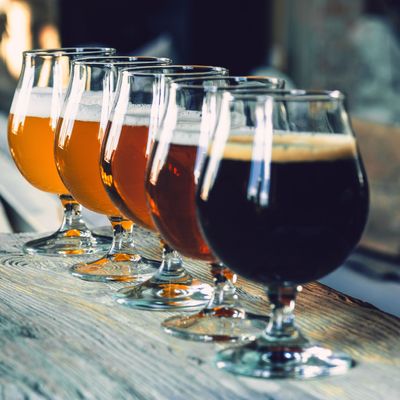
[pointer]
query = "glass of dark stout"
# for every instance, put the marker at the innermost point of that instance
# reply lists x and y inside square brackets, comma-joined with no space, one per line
[174,164]
[282,199]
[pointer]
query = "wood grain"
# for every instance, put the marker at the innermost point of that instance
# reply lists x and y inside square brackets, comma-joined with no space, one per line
[63,338]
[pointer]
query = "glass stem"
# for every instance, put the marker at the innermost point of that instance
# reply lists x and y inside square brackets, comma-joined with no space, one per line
[72,223]
[171,266]
[224,294]
[281,326]
[122,236]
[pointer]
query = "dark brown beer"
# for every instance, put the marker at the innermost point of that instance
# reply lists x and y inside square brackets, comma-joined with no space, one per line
[172,202]
[292,220]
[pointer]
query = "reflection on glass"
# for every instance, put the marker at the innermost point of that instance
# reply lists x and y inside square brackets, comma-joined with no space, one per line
[135,119]
[31,127]
[282,200]
[171,182]
[79,139]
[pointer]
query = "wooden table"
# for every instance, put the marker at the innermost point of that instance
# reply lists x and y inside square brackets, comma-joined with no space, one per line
[63,338]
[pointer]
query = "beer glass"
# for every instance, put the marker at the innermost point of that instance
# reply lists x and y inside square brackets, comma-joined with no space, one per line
[282,199]
[79,137]
[31,126]
[135,118]
[174,165]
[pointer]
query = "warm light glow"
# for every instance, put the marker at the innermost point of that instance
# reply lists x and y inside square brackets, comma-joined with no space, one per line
[18,37]
[49,37]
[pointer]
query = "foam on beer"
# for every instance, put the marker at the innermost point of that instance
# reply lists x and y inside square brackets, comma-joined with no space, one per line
[38,104]
[91,106]
[186,132]
[295,147]
[137,115]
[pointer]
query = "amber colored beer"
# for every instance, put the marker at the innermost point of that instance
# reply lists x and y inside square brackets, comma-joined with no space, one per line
[31,142]
[172,200]
[123,176]
[78,161]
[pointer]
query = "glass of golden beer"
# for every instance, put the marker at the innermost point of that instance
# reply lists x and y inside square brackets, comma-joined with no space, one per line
[282,198]
[135,118]
[31,128]
[174,163]
[79,138]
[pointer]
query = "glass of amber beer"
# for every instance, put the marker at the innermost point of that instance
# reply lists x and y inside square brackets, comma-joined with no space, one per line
[79,137]
[135,118]
[282,199]
[174,164]
[31,127]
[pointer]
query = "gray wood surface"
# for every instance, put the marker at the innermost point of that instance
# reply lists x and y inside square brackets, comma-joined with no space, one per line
[63,338]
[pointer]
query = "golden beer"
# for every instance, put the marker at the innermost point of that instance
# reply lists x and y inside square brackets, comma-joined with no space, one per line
[31,142]
[78,160]
[32,124]
[31,138]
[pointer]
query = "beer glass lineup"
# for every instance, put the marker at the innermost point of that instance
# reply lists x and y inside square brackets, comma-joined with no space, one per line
[234,171]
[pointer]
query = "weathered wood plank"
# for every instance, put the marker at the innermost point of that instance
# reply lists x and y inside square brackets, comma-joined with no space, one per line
[63,338]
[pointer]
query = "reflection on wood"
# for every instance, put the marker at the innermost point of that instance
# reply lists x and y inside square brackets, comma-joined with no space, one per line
[62,338]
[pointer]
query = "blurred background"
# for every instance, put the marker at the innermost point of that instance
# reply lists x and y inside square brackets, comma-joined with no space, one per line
[353,46]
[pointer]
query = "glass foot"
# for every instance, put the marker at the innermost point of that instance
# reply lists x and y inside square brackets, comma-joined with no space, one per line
[156,294]
[262,360]
[68,243]
[216,324]
[117,267]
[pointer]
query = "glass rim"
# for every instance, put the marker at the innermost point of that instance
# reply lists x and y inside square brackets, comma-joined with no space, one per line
[66,51]
[180,82]
[141,71]
[286,95]
[119,60]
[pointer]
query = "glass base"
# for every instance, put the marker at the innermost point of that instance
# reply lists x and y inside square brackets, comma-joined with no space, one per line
[117,267]
[216,324]
[156,294]
[68,243]
[262,360]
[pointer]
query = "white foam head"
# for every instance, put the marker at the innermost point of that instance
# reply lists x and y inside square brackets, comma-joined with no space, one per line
[295,147]
[137,115]
[184,131]
[185,128]
[91,104]
[37,103]
[95,105]
[190,128]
